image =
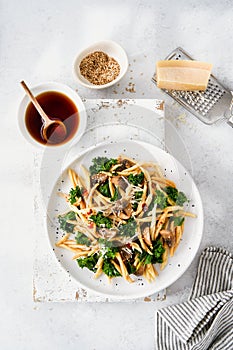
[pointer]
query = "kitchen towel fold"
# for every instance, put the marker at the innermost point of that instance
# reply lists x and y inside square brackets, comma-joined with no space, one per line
[205,321]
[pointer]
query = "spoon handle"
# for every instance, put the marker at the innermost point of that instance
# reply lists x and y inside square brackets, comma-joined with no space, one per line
[35,102]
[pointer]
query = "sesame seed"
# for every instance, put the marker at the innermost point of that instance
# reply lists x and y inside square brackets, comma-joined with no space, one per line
[98,68]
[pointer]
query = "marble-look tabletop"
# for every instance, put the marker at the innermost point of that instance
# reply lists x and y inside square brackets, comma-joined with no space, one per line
[38,42]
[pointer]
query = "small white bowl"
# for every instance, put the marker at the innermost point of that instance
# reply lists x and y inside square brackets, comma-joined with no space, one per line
[58,87]
[112,49]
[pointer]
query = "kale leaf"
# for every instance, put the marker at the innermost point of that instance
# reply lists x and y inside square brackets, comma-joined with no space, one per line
[109,251]
[160,199]
[138,195]
[178,197]
[82,239]
[109,164]
[157,252]
[135,206]
[130,267]
[136,179]
[64,225]
[128,229]
[101,221]
[178,220]
[181,199]
[109,269]
[104,190]
[137,198]
[101,164]
[106,243]
[116,195]
[172,193]
[74,194]
[89,262]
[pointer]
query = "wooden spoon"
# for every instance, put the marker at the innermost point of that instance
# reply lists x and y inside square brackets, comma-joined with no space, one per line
[54,125]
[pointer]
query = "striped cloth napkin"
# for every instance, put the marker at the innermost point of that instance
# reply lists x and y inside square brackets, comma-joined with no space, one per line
[205,321]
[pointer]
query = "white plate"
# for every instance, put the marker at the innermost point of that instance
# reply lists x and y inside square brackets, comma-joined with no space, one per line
[184,254]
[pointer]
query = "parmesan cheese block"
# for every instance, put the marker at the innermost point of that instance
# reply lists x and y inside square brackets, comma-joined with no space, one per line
[183,75]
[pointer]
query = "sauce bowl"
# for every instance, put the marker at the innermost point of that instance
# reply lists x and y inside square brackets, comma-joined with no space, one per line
[68,92]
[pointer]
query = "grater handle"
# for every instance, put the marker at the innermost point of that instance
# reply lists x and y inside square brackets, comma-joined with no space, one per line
[230,120]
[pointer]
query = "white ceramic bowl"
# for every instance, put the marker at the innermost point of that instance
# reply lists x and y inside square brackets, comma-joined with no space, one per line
[66,90]
[112,49]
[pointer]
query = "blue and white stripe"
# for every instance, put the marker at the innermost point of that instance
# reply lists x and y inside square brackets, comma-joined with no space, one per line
[205,321]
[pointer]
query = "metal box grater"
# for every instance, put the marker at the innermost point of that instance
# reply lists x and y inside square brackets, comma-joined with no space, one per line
[211,105]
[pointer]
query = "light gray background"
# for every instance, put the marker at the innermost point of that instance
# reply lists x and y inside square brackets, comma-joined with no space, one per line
[39,41]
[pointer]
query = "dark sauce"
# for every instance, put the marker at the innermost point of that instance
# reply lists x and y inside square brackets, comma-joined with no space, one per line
[57,106]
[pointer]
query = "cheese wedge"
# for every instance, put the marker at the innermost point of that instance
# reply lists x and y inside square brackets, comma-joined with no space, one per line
[183,75]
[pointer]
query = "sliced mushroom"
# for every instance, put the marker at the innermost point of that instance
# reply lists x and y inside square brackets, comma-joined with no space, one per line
[169,237]
[119,181]
[140,271]
[128,210]
[120,205]
[99,178]
[146,237]
[126,254]
[125,164]
[115,180]
[107,233]
[123,216]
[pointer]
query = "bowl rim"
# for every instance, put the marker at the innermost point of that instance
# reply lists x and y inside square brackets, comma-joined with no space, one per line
[85,51]
[70,93]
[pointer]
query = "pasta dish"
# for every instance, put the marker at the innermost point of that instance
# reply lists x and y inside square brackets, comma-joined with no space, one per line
[123,219]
